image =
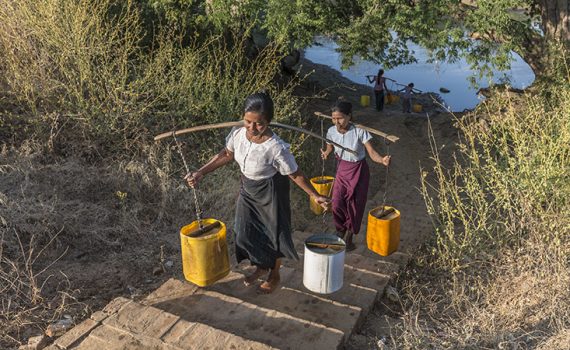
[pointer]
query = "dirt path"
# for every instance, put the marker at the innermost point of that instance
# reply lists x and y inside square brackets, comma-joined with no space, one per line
[409,154]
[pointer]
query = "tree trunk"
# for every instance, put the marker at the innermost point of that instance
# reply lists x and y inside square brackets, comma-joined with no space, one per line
[555,17]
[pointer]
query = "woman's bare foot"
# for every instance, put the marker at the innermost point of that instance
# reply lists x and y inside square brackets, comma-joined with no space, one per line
[268,286]
[250,279]
[350,246]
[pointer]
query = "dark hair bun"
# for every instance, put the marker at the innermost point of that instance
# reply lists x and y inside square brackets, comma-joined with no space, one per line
[342,106]
[261,103]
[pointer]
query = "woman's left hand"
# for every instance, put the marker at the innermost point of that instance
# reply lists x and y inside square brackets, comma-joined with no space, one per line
[386,160]
[324,202]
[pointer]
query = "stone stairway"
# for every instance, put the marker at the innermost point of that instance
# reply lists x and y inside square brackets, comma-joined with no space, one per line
[229,315]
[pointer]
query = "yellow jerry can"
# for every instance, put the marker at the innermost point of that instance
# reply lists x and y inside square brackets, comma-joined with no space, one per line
[383,234]
[323,185]
[205,257]
[417,108]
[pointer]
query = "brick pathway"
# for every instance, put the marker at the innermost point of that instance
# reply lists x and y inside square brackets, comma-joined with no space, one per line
[229,315]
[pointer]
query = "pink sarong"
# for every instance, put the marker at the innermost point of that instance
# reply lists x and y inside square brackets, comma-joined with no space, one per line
[350,192]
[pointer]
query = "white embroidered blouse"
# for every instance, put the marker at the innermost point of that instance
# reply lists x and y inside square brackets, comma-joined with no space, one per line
[258,161]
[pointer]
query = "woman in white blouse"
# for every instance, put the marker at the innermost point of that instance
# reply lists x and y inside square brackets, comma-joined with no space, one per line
[350,190]
[263,211]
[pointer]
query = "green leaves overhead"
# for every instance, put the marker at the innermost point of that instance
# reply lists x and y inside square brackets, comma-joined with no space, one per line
[483,31]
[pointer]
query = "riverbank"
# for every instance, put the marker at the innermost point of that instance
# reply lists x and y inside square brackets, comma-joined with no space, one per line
[333,82]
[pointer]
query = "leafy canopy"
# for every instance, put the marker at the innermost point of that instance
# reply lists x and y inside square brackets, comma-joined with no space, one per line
[378,30]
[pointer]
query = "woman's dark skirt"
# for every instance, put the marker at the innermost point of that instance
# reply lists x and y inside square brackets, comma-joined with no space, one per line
[263,221]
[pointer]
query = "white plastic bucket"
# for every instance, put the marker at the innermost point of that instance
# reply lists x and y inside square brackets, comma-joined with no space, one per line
[323,269]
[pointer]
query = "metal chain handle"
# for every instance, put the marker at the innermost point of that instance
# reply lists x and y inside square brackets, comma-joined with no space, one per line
[322,147]
[196,202]
[387,175]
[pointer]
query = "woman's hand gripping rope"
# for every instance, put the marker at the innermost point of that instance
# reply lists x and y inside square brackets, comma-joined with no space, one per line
[193,178]
[324,202]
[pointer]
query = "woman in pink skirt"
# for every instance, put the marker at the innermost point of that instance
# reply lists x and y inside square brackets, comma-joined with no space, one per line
[350,190]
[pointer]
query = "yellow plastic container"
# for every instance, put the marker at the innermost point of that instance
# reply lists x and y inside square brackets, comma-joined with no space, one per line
[323,185]
[365,100]
[417,108]
[391,98]
[383,235]
[205,259]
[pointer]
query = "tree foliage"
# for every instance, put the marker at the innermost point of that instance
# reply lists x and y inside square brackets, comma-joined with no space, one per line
[379,30]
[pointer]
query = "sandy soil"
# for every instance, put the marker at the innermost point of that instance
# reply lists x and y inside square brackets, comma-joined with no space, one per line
[398,187]
[105,246]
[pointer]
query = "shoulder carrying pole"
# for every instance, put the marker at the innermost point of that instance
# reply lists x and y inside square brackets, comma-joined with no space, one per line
[240,123]
[391,138]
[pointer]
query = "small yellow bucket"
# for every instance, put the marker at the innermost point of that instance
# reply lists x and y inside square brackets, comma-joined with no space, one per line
[323,185]
[365,100]
[205,259]
[391,98]
[383,235]
[417,108]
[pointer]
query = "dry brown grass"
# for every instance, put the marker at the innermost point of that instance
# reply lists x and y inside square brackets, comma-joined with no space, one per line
[497,274]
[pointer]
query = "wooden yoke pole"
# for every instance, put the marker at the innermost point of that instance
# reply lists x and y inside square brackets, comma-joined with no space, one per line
[391,138]
[240,123]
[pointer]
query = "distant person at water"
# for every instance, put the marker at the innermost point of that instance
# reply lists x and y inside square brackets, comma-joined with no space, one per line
[380,88]
[263,209]
[350,189]
[407,97]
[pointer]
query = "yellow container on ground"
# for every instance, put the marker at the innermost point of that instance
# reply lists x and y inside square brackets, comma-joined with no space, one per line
[205,259]
[417,108]
[383,235]
[323,185]
[365,100]
[391,98]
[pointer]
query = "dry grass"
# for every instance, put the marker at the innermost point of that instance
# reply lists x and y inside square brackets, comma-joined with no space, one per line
[81,71]
[497,275]
[89,204]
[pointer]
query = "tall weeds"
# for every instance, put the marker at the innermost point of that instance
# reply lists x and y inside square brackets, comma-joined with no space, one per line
[498,274]
[80,77]
[84,61]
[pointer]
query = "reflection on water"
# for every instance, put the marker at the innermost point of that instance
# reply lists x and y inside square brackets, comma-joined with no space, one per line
[428,77]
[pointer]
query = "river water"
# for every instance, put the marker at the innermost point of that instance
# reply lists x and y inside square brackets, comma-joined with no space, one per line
[428,77]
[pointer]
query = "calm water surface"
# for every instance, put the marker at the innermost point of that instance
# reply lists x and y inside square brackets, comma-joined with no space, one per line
[428,77]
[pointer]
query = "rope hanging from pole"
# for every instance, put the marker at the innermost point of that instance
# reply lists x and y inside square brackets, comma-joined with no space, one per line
[196,202]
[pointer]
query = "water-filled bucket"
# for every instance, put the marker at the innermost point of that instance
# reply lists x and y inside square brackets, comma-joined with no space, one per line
[417,108]
[383,234]
[392,99]
[365,100]
[323,185]
[204,258]
[323,269]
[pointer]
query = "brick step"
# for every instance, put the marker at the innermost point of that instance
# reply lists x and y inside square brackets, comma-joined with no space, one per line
[285,319]
[126,324]
[180,315]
